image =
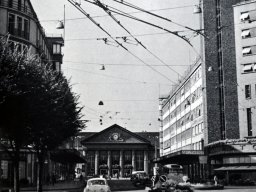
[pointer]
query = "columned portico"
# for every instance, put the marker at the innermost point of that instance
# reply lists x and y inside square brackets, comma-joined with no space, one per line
[117,152]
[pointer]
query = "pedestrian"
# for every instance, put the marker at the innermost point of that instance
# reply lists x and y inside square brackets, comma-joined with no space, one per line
[215,180]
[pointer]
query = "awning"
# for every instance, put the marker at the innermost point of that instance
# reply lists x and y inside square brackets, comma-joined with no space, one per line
[245,33]
[237,168]
[244,16]
[246,50]
[247,68]
[67,156]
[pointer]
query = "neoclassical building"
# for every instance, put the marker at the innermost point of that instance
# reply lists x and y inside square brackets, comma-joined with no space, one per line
[115,150]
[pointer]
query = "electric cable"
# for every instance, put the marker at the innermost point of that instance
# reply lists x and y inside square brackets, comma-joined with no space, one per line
[153,14]
[119,12]
[105,8]
[98,25]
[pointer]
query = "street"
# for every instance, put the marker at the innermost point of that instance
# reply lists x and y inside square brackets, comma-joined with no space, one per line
[238,189]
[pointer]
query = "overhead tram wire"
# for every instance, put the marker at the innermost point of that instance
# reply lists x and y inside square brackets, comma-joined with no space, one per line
[120,44]
[119,12]
[134,12]
[161,17]
[105,8]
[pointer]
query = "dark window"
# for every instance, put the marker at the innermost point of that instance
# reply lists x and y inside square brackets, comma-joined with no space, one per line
[103,157]
[139,161]
[115,157]
[19,5]
[11,24]
[127,157]
[10,3]
[19,20]
[247,91]
[26,29]
[249,121]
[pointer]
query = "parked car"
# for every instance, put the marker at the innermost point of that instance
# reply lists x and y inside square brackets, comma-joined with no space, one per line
[140,178]
[97,184]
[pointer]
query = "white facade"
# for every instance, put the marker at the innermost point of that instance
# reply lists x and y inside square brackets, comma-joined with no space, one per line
[245,40]
[182,116]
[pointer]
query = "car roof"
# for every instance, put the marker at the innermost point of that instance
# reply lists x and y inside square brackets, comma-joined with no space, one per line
[98,178]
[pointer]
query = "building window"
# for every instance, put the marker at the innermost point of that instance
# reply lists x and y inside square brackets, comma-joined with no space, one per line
[249,121]
[56,49]
[11,24]
[248,68]
[139,161]
[19,20]
[26,29]
[246,34]
[248,91]
[245,16]
[19,5]
[10,3]
[103,157]
[249,50]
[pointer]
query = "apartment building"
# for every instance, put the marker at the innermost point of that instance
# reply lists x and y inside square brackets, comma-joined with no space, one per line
[19,21]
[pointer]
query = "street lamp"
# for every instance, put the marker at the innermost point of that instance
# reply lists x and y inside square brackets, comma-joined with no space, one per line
[101,103]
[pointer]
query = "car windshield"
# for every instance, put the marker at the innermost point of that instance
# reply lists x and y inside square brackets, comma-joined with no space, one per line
[97,182]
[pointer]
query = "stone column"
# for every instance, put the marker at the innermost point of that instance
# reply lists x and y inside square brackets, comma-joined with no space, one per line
[121,164]
[109,163]
[96,162]
[133,161]
[146,162]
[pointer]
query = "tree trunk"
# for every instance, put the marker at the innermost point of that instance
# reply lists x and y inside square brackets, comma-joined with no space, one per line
[16,161]
[40,172]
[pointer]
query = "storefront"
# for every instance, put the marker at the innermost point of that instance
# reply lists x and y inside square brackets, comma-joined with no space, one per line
[234,160]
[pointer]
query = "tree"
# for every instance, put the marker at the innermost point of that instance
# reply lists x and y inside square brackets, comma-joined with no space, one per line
[37,106]
[14,86]
[56,116]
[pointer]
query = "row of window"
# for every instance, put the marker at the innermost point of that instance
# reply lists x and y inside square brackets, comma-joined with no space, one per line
[187,134]
[234,160]
[186,103]
[248,16]
[18,26]
[190,116]
[190,82]
[20,5]
[194,146]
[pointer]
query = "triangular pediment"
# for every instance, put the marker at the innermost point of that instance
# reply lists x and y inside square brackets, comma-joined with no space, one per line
[116,134]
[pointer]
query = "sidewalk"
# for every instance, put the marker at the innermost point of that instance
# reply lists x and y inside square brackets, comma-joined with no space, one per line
[60,186]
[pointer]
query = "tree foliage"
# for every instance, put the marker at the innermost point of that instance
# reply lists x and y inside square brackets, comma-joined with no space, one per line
[37,106]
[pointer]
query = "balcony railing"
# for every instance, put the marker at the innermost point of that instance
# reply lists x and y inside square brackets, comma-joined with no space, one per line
[18,7]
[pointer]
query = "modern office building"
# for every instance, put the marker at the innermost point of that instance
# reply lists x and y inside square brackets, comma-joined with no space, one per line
[208,124]
[19,22]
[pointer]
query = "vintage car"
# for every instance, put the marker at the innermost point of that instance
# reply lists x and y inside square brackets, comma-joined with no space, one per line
[140,178]
[97,184]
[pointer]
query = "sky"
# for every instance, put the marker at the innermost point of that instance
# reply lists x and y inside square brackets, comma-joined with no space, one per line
[133,80]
